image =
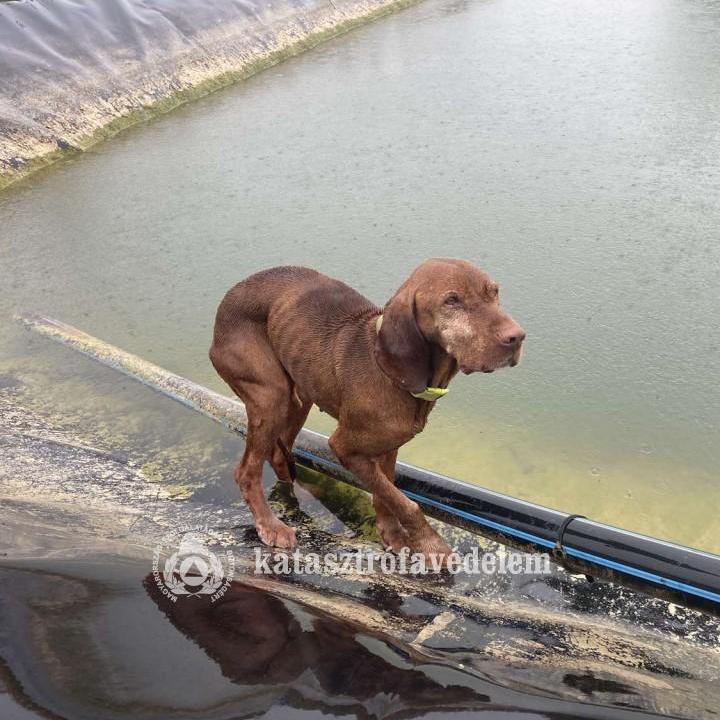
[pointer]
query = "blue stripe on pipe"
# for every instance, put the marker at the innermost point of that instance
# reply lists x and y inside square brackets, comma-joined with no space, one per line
[643,574]
[537,540]
[506,529]
[581,554]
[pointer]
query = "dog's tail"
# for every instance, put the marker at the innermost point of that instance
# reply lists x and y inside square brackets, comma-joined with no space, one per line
[289,460]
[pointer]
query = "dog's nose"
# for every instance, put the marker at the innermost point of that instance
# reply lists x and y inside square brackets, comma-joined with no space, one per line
[511,336]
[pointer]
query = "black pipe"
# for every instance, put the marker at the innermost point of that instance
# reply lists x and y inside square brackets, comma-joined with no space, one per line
[579,544]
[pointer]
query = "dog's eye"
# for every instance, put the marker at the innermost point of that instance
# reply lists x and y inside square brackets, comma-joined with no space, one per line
[452,299]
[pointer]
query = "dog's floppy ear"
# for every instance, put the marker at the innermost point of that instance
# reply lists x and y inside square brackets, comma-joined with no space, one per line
[400,349]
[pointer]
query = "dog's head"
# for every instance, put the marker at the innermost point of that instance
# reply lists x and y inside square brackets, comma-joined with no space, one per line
[455,305]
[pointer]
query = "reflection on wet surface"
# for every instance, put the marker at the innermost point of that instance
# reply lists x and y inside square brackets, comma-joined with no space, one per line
[95,639]
[261,640]
[569,149]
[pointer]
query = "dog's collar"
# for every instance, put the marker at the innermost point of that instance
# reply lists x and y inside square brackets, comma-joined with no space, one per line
[431,394]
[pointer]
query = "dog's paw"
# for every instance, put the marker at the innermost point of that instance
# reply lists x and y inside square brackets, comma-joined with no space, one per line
[276,533]
[430,544]
[392,533]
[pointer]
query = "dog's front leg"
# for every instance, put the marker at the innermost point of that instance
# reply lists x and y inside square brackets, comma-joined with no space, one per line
[392,533]
[421,538]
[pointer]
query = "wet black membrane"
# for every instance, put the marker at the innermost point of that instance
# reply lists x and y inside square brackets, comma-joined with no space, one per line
[97,471]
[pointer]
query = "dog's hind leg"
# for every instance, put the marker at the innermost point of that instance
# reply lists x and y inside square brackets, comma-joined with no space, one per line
[246,361]
[282,461]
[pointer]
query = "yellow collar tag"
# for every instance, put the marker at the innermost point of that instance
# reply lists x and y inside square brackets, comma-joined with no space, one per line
[429,393]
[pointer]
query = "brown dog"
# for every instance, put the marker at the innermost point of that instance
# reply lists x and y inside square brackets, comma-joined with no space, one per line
[288,337]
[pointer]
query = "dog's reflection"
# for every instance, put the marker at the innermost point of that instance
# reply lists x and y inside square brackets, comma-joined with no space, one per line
[259,639]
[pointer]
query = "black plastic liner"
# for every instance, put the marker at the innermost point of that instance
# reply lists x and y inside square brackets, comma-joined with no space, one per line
[74,73]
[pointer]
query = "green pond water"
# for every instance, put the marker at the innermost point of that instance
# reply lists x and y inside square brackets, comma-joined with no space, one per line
[571,149]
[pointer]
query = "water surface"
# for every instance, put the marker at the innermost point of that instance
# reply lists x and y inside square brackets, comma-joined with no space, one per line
[570,148]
